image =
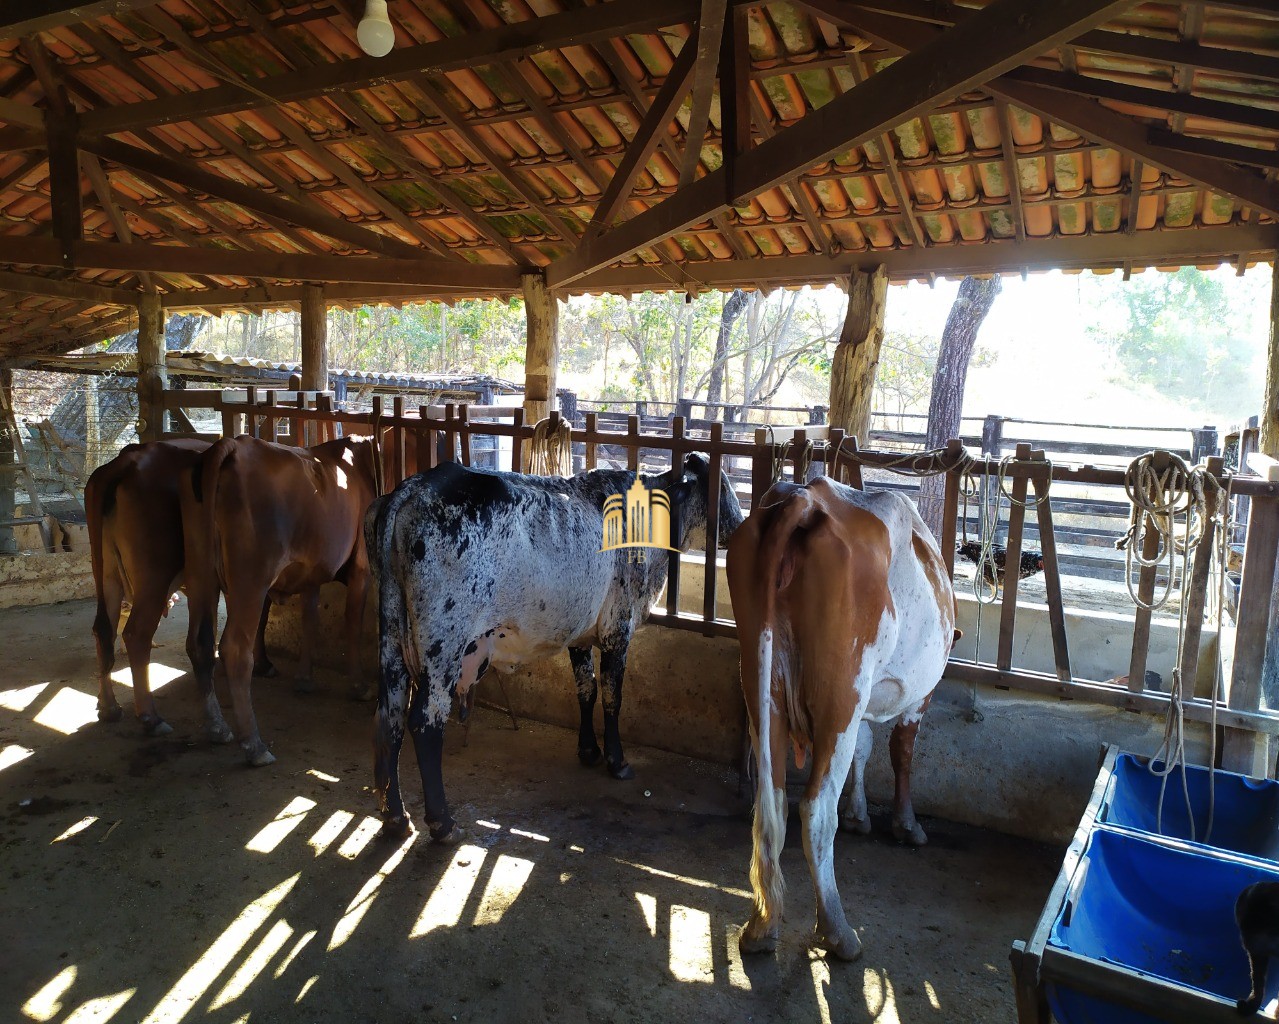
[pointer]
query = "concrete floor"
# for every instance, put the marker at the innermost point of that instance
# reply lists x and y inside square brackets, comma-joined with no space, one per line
[199,889]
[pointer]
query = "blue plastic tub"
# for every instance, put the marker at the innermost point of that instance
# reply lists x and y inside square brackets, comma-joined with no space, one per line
[1246,819]
[1158,909]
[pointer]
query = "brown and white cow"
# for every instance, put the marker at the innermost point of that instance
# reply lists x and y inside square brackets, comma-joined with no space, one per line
[846,616]
[135,541]
[265,521]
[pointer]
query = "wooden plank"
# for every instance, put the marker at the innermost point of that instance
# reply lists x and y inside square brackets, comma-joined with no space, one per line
[21,114]
[735,92]
[950,510]
[278,266]
[999,37]
[1239,752]
[711,579]
[32,284]
[641,147]
[710,32]
[26,17]
[1012,559]
[673,566]
[1196,594]
[1052,579]
[64,182]
[1145,595]
[632,443]
[501,44]
[592,425]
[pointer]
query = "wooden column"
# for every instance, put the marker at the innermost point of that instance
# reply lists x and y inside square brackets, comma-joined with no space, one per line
[8,471]
[852,374]
[1269,443]
[315,339]
[153,375]
[542,349]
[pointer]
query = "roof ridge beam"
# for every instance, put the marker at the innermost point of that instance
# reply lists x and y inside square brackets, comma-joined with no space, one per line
[998,38]
[490,46]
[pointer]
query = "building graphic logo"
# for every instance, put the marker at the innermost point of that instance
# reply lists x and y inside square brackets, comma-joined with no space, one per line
[638,519]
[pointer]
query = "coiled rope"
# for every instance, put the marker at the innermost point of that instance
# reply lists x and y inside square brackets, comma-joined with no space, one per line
[1161,487]
[551,448]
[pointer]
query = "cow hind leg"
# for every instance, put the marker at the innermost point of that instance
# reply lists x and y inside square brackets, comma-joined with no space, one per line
[237,660]
[138,634]
[583,662]
[262,664]
[855,815]
[105,624]
[388,736]
[612,669]
[768,836]
[305,680]
[901,747]
[819,812]
[426,724]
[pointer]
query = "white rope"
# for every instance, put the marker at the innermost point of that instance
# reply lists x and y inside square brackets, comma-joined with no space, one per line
[551,449]
[1161,487]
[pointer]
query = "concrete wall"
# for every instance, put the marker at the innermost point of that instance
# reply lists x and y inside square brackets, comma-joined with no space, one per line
[34,578]
[1025,768]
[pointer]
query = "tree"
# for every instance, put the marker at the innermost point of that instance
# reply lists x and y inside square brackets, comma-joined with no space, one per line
[732,309]
[946,403]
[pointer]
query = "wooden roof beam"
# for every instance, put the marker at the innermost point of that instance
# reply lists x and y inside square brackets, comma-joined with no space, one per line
[710,33]
[641,148]
[1249,156]
[102,187]
[1012,168]
[32,284]
[796,190]
[177,259]
[24,17]
[998,38]
[1094,121]
[490,46]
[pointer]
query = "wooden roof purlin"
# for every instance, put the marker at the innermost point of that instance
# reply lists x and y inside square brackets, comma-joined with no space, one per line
[223,154]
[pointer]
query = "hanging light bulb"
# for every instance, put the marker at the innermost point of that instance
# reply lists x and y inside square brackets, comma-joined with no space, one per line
[375,34]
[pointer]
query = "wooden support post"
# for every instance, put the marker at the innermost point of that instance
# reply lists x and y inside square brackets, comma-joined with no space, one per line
[1269,444]
[852,376]
[315,339]
[153,375]
[8,466]
[542,348]
[1012,559]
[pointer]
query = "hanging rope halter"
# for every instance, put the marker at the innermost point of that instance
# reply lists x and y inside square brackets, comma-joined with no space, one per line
[1161,487]
[551,448]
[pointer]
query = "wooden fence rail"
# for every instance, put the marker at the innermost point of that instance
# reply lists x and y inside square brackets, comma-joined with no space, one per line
[418,439]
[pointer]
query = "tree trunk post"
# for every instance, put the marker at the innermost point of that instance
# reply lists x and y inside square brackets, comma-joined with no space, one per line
[542,348]
[315,339]
[1267,444]
[852,375]
[153,374]
[8,475]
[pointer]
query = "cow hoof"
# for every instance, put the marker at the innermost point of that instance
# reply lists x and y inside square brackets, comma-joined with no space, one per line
[448,835]
[589,756]
[265,669]
[911,836]
[622,772]
[303,685]
[858,826]
[395,828]
[156,726]
[763,942]
[111,714]
[220,733]
[258,756]
[846,946]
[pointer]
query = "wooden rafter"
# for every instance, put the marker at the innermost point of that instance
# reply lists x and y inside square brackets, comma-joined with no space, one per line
[177,259]
[901,192]
[996,39]
[651,130]
[34,284]
[735,92]
[1094,121]
[102,187]
[1132,207]
[490,46]
[1249,156]
[25,17]
[795,189]
[710,33]
[1012,170]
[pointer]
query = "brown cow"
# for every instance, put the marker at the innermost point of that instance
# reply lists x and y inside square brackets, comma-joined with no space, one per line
[135,539]
[846,616]
[265,521]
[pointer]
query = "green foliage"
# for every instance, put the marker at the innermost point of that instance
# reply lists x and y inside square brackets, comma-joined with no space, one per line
[1187,334]
[905,376]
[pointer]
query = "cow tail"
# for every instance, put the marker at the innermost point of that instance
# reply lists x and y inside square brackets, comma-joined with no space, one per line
[204,483]
[776,564]
[99,499]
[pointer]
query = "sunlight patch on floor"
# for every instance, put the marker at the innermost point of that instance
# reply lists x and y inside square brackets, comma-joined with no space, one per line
[274,832]
[159,675]
[736,969]
[254,964]
[306,987]
[931,992]
[68,712]
[75,829]
[821,980]
[443,908]
[691,957]
[880,1000]
[359,906]
[12,754]
[292,954]
[47,1003]
[700,883]
[101,1009]
[506,882]
[327,833]
[360,838]
[200,976]
[648,907]
[322,776]
[21,698]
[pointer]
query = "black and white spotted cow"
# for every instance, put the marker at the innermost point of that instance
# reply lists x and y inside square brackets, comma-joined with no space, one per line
[476,568]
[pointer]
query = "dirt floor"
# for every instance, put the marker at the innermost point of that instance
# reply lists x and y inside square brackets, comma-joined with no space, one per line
[199,889]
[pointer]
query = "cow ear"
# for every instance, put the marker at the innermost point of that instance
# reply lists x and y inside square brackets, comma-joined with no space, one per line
[683,490]
[697,464]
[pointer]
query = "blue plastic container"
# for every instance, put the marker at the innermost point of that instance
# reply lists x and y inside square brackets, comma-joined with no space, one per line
[1246,819]
[1158,909]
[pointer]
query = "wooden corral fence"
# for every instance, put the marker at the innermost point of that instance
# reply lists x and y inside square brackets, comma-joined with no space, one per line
[425,436]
